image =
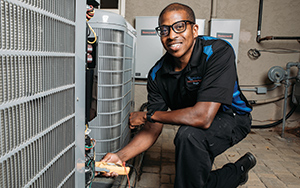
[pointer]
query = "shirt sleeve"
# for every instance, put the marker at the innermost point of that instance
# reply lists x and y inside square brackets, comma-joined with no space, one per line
[220,76]
[155,99]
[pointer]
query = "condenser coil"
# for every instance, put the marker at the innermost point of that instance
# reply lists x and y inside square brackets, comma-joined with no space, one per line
[114,81]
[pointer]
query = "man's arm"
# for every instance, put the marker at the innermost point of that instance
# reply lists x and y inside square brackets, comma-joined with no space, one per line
[141,142]
[200,115]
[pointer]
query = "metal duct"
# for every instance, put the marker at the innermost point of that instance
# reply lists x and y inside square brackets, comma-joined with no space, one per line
[114,75]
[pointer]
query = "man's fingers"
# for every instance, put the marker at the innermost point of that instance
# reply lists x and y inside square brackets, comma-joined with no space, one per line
[111,174]
[134,126]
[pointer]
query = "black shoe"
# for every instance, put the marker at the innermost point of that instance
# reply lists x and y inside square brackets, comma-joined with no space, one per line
[246,162]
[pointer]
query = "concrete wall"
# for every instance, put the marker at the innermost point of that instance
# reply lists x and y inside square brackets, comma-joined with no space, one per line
[280,18]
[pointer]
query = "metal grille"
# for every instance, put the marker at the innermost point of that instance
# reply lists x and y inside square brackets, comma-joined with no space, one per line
[37,93]
[28,119]
[114,75]
[110,34]
[28,75]
[40,155]
[31,29]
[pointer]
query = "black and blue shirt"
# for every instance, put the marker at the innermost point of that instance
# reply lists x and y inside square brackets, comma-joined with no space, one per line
[210,76]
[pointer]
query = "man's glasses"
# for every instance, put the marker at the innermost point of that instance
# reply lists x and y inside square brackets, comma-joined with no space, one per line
[178,27]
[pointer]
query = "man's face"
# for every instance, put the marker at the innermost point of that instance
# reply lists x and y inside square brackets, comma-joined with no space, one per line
[179,45]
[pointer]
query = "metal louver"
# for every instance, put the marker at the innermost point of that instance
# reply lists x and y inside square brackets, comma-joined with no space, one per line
[114,81]
[37,93]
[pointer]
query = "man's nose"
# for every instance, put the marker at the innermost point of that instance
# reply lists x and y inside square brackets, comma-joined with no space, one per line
[172,33]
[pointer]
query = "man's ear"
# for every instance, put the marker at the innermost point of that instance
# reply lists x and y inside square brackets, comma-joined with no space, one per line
[195,30]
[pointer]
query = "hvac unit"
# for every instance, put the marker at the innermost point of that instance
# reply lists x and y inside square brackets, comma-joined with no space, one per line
[227,29]
[114,81]
[149,47]
[37,93]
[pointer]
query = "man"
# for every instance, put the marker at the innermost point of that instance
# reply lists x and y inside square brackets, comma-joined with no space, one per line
[197,80]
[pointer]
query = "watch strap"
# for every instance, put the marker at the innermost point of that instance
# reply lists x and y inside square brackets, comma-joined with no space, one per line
[149,115]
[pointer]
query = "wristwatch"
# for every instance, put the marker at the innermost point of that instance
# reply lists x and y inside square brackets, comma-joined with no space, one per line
[149,115]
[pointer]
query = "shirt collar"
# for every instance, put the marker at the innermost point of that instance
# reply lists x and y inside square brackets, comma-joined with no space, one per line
[168,67]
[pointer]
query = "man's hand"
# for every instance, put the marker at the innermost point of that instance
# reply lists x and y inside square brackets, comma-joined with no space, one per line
[111,158]
[136,119]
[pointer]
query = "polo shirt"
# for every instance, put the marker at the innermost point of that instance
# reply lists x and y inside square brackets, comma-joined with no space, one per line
[210,76]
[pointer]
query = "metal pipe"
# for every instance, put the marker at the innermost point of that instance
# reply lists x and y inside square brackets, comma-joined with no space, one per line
[248,89]
[261,2]
[287,85]
[296,64]
[213,9]
[258,37]
[298,76]
[285,103]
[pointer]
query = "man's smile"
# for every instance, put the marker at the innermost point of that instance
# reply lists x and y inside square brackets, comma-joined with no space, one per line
[175,46]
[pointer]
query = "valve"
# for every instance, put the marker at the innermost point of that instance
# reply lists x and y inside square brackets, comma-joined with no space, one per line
[276,74]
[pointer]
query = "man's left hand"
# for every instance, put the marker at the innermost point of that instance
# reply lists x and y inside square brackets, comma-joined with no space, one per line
[136,119]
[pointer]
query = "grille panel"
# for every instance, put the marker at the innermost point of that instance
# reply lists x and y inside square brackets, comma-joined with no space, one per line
[37,93]
[114,77]
[31,30]
[23,76]
[29,119]
[38,154]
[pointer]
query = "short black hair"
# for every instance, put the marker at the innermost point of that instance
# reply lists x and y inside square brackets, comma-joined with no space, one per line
[176,7]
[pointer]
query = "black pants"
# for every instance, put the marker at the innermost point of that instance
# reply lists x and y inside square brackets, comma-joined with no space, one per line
[196,149]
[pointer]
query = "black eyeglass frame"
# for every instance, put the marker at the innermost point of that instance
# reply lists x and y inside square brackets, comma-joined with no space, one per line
[157,29]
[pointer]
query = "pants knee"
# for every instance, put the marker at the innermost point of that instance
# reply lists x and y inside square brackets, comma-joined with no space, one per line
[187,134]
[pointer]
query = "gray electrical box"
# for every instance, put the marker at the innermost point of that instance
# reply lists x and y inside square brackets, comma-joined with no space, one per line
[227,29]
[149,47]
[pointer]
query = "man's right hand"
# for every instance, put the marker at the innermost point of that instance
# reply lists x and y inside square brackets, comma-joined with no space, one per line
[111,158]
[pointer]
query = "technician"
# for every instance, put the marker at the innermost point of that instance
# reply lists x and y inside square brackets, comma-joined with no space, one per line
[196,79]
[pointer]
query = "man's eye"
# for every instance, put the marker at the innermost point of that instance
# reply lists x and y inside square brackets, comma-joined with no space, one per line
[164,30]
[179,27]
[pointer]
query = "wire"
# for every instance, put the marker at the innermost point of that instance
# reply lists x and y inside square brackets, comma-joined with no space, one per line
[267,101]
[86,128]
[90,160]
[257,85]
[93,143]
[124,165]
[275,123]
[280,51]
[90,14]
[93,174]
[93,34]
[255,53]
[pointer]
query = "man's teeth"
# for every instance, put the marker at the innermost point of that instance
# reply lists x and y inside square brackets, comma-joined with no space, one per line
[174,45]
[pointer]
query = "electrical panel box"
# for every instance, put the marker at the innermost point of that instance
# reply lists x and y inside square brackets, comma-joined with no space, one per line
[149,47]
[227,29]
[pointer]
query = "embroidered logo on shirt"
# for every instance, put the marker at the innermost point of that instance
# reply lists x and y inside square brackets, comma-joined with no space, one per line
[194,80]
